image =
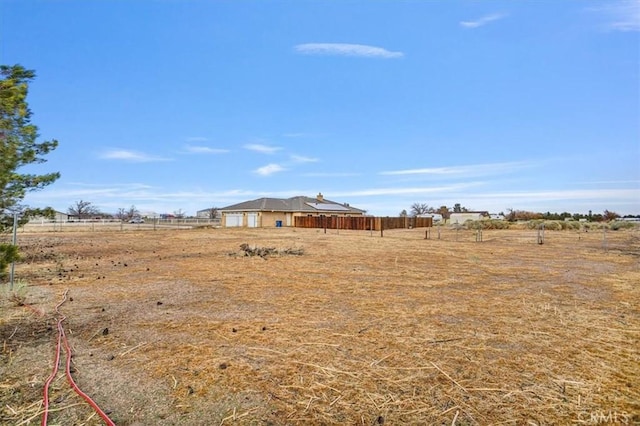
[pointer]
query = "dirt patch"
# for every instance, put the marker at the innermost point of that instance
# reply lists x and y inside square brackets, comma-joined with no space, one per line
[168,328]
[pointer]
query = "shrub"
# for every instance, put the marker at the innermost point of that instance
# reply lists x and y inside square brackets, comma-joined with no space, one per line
[554,225]
[8,254]
[621,224]
[18,295]
[487,224]
[535,224]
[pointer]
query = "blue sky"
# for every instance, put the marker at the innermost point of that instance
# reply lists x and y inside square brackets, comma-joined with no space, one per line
[184,105]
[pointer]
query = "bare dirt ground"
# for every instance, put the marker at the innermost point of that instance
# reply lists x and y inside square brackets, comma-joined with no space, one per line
[177,327]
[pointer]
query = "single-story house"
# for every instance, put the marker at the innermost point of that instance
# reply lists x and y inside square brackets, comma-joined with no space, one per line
[57,217]
[278,212]
[462,217]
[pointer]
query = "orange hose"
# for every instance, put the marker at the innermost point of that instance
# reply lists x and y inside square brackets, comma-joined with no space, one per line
[62,339]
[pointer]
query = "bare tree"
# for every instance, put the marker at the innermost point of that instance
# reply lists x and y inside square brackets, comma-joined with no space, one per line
[213,212]
[132,212]
[83,209]
[420,208]
[121,213]
[609,216]
[179,213]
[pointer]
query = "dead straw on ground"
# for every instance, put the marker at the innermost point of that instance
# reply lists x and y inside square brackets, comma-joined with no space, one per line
[353,329]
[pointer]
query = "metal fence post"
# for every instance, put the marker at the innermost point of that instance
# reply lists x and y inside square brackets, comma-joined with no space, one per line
[14,241]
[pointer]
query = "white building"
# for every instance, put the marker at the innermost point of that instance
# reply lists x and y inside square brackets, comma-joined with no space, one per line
[462,217]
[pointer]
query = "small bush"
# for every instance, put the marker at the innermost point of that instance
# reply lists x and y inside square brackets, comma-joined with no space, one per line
[535,224]
[571,225]
[621,224]
[554,225]
[487,224]
[8,254]
[18,295]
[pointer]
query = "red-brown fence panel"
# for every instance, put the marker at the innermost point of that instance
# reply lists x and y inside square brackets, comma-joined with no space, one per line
[362,223]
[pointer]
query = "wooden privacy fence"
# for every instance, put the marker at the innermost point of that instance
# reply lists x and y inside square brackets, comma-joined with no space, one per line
[362,223]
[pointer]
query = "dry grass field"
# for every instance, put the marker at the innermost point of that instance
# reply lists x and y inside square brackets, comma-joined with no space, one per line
[178,327]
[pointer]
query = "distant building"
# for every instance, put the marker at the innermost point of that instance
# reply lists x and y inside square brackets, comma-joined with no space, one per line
[437,217]
[57,217]
[206,214]
[462,217]
[278,212]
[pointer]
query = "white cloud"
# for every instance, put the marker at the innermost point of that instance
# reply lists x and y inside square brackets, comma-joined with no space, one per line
[131,156]
[269,169]
[194,149]
[197,139]
[465,171]
[346,49]
[302,159]
[295,135]
[378,200]
[265,149]
[405,191]
[621,15]
[628,195]
[330,174]
[482,21]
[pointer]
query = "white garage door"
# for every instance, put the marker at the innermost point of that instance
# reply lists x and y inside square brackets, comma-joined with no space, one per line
[233,220]
[252,220]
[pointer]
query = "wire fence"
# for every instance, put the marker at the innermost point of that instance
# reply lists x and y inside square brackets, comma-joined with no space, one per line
[116,225]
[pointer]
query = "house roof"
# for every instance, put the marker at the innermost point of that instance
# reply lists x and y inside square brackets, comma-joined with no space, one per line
[293,204]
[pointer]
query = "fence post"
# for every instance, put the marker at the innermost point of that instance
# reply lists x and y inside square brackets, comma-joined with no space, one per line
[541,234]
[14,241]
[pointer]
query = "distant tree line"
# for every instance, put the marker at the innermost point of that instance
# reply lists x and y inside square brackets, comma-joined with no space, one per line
[514,215]
[87,210]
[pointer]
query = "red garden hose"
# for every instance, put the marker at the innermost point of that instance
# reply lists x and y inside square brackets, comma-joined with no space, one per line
[62,339]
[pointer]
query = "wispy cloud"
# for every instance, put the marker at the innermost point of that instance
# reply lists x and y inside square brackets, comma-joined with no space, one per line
[482,21]
[197,139]
[264,149]
[195,149]
[330,174]
[465,171]
[296,135]
[131,156]
[346,49]
[303,159]
[629,195]
[269,169]
[623,15]
[406,191]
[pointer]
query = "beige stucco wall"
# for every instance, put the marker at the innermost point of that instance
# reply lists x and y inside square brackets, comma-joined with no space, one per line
[269,219]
